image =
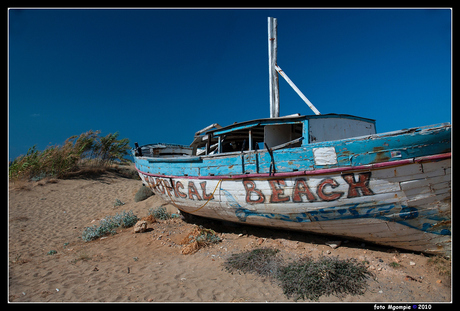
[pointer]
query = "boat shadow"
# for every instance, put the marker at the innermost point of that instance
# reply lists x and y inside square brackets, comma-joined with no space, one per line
[226,227]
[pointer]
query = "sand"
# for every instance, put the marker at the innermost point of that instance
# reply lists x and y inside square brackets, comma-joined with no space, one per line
[149,266]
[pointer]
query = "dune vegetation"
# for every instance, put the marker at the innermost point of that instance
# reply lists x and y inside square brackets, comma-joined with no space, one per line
[88,150]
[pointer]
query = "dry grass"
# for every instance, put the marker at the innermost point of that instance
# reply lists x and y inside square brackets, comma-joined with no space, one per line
[441,265]
[88,151]
[23,184]
[198,238]
[149,219]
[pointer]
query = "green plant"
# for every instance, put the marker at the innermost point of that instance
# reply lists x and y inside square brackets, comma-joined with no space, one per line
[109,148]
[51,252]
[118,203]
[394,264]
[310,279]
[159,213]
[126,219]
[109,224]
[37,165]
[207,236]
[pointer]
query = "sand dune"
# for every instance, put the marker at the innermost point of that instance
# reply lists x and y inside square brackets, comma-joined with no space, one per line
[149,266]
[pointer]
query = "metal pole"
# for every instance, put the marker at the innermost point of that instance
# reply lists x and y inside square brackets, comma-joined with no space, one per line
[296,89]
[272,57]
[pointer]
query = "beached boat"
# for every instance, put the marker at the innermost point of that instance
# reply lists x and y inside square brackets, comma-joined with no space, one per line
[328,174]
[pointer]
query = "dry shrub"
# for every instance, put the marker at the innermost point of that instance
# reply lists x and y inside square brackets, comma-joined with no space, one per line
[198,238]
[263,261]
[311,279]
[19,185]
[191,235]
[149,219]
[305,278]
[191,248]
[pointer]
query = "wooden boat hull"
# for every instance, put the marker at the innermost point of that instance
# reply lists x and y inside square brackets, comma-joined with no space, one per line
[404,204]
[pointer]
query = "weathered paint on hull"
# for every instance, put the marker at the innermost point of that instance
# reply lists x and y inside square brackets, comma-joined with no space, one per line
[343,154]
[403,204]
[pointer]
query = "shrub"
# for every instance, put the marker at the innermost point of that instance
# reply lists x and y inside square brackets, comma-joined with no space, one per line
[198,238]
[159,213]
[109,148]
[310,279]
[54,161]
[108,225]
[118,203]
[142,194]
[125,220]
[305,278]
[262,261]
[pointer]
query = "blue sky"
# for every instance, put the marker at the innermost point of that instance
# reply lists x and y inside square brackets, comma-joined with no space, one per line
[159,75]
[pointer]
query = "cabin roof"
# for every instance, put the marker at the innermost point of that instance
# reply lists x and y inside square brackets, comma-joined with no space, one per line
[281,120]
[215,130]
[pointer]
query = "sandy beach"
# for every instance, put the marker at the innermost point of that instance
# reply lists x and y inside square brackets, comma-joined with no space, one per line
[50,215]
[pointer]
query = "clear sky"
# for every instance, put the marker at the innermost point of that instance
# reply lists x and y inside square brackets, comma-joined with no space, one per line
[160,75]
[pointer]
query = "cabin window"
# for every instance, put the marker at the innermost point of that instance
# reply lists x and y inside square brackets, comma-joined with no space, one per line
[252,138]
[243,140]
[275,135]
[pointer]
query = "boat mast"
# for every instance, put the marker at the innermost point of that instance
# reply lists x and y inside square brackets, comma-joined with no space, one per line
[274,69]
[272,55]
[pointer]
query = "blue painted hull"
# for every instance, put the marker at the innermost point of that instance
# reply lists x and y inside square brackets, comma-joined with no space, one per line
[351,152]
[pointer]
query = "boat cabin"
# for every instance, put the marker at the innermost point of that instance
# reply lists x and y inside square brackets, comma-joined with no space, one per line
[278,133]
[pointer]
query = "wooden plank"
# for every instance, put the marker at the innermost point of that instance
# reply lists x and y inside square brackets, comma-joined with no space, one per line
[296,89]
[424,201]
[436,168]
[414,184]
[418,193]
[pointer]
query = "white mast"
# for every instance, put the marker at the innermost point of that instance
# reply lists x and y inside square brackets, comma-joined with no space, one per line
[273,69]
[272,55]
